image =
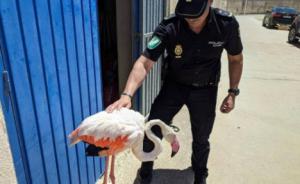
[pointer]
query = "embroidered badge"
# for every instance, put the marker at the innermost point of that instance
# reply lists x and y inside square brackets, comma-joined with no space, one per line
[178,51]
[155,42]
[216,43]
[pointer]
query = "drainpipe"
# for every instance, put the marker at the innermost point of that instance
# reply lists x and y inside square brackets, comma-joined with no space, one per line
[245,6]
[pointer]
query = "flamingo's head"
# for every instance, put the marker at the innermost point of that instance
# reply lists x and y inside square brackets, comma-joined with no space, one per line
[172,139]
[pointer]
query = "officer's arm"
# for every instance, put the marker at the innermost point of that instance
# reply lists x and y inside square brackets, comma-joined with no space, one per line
[235,69]
[142,66]
[138,73]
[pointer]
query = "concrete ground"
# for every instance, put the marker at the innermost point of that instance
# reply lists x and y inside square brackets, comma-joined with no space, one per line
[7,172]
[259,141]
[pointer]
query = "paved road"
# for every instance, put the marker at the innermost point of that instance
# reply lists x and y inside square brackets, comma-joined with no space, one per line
[260,141]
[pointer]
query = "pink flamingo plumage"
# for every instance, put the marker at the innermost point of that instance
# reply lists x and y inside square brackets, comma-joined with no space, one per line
[122,129]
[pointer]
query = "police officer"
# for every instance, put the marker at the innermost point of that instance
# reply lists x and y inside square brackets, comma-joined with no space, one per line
[194,40]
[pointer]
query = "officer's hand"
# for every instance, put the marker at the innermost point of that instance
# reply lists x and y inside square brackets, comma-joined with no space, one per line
[124,101]
[228,104]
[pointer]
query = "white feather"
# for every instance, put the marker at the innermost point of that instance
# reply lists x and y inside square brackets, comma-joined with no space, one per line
[122,123]
[104,125]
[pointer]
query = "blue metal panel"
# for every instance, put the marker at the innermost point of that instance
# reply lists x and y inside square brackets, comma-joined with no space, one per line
[80,35]
[35,66]
[53,61]
[92,69]
[86,20]
[18,153]
[74,85]
[58,32]
[17,64]
[99,163]
[52,57]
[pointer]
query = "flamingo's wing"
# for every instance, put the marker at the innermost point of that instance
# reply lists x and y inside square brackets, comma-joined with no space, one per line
[103,128]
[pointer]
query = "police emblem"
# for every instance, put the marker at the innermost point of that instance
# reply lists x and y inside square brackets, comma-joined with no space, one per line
[178,51]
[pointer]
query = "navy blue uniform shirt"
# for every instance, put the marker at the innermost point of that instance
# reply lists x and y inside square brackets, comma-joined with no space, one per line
[221,30]
[193,55]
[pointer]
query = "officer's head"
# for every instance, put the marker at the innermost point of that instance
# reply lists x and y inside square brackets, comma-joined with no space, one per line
[193,11]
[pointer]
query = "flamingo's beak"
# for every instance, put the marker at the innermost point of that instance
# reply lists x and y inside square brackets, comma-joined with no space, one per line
[175,146]
[173,154]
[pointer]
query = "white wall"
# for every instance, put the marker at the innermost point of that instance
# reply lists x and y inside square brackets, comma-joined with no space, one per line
[172,6]
[7,172]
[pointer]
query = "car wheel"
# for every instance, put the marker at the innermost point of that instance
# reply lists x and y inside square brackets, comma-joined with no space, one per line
[264,22]
[292,36]
[269,24]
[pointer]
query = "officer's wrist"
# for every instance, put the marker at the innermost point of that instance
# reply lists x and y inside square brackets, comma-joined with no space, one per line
[127,95]
[234,91]
[232,95]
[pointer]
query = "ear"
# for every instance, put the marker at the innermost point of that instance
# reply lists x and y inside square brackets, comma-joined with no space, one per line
[210,2]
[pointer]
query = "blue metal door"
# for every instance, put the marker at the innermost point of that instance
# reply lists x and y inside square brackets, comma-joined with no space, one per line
[50,66]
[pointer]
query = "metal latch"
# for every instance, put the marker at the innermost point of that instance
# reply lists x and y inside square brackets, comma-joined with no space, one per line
[6,83]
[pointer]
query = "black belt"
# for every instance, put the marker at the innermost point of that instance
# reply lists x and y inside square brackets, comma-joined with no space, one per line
[199,85]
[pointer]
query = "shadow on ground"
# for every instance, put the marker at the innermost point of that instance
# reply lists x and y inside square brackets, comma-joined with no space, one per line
[296,45]
[167,176]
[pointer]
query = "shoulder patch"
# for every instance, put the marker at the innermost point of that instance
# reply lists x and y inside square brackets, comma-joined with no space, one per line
[223,13]
[154,42]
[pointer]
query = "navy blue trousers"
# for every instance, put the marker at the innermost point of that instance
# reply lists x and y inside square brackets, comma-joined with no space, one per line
[201,103]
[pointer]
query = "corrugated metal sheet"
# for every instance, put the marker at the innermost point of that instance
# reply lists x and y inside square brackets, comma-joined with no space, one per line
[50,51]
[152,14]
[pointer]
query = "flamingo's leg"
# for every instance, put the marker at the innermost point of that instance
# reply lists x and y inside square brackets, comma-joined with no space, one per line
[106,169]
[112,170]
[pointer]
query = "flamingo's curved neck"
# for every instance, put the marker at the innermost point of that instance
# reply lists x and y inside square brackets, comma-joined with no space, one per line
[150,156]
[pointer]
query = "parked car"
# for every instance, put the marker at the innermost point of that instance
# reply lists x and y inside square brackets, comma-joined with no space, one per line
[279,16]
[294,32]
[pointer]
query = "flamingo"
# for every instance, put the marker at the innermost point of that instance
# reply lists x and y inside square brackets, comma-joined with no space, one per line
[119,130]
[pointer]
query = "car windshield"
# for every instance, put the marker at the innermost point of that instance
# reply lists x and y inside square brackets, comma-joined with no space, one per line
[286,10]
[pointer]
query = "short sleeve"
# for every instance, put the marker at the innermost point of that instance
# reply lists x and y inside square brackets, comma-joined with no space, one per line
[157,44]
[234,44]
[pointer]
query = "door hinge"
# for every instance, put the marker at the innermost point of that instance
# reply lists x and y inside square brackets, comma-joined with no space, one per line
[6,83]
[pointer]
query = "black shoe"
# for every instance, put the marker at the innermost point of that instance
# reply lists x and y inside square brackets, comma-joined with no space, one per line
[145,173]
